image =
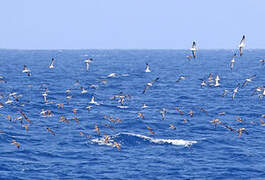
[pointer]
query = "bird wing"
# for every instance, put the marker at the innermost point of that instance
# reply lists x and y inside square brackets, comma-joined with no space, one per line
[193,54]
[252,77]
[146,88]
[241,51]
[155,80]
[52,63]
[242,41]
[245,83]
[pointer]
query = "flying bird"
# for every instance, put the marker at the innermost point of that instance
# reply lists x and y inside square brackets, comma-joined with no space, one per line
[181,78]
[193,49]
[26,70]
[240,131]
[147,68]
[235,91]
[150,130]
[15,143]
[52,64]
[148,85]
[242,45]
[232,62]
[248,80]
[88,61]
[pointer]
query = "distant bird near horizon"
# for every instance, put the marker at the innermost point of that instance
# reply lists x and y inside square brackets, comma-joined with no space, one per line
[87,62]
[193,49]
[242,45]
[26,70]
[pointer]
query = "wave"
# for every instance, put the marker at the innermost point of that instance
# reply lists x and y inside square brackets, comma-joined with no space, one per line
[131,138]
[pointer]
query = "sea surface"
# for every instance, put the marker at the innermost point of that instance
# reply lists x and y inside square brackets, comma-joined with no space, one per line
[125,145]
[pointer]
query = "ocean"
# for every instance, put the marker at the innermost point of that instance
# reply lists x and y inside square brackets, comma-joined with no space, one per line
[114,137]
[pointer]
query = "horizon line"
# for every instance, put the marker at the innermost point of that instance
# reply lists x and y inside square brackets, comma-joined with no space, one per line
[54,49]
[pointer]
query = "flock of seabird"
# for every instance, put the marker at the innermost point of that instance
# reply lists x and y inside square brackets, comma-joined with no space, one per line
[121,98]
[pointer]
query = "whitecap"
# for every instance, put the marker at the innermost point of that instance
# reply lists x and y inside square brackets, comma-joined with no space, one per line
[176,142]
[123,107]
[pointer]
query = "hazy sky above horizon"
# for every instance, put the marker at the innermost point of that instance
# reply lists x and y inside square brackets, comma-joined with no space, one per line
[131,24]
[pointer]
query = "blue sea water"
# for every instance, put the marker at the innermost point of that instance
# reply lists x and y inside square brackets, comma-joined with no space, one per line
[196,149]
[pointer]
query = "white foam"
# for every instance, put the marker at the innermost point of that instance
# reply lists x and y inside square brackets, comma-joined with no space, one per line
[175,142]
[123,107]
[101,141]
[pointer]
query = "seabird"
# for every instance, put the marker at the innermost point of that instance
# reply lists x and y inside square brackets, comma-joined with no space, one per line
[150,130]
[257,90]
[147,68]
[87,61]
[144,106]
[171,126]
[193,49]
[68,91]
[88,107]
[203,83]
[26,70]
[140,115]
[210,78]
[45,94]
[9,101]
[232,62]
[52,64]
[191,113]
[217,79]
[248,80]
[225,92]
[97,129]
[92,101]
[241,45]
[163,113]
[235,91]
[216,122]
[51,131]
[15,143]
[83,90]
[262,61]
[117,145]
[181,78]
[112,75]
[262,123]
[240,131]
[148,85]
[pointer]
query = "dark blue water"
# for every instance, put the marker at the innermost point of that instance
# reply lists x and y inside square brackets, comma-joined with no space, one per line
[196,149]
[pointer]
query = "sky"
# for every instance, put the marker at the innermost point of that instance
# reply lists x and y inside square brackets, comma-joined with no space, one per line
[131,24]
